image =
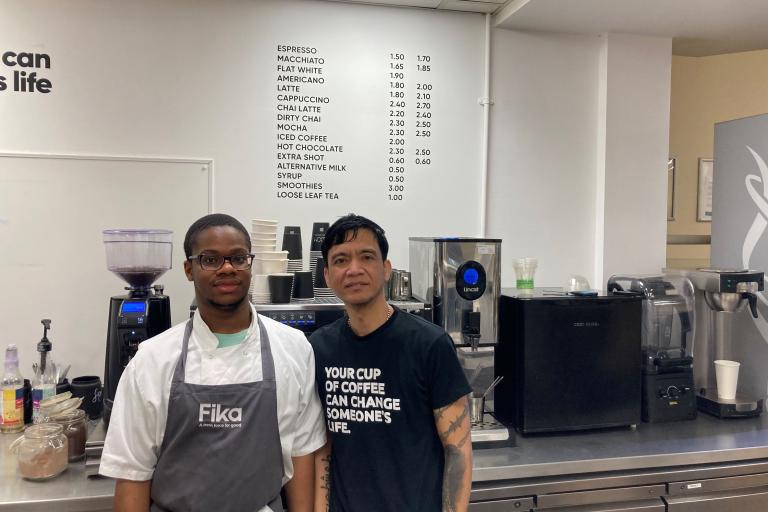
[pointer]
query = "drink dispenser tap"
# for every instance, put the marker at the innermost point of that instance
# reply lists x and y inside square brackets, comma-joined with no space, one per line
[748,292]
[471,329]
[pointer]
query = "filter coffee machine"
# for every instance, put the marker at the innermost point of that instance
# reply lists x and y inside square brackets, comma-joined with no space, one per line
[667,344]
[722,296]
[139,257]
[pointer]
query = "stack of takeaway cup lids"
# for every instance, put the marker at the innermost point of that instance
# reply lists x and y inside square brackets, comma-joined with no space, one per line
[263,235]
[318,234]
[321,288]
[292,244]
[260,289]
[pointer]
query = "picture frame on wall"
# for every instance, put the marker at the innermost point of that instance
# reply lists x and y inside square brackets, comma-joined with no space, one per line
[671,163]
[704,198]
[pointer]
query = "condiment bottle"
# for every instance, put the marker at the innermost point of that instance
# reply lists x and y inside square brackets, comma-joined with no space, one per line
[41,452]
[12,407]
[44,383]
[76,430]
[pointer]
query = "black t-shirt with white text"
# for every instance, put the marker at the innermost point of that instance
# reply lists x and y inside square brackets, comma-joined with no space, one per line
[379,392]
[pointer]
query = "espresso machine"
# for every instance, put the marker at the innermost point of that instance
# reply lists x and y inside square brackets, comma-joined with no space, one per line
[668,392]
[139,257]
[723,297]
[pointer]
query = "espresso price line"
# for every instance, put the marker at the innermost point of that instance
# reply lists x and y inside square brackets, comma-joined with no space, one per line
[396,170]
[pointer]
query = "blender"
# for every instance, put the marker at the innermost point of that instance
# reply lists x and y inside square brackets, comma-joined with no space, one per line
[722,296]
[139,257]
[667,344]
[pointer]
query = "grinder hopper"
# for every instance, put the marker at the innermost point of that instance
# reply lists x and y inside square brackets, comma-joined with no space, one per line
[138,256]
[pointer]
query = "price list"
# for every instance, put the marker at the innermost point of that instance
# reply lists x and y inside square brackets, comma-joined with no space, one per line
[409,120]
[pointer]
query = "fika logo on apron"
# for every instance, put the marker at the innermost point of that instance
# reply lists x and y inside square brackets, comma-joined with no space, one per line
[216,416]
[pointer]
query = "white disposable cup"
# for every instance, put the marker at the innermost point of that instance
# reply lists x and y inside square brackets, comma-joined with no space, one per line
[271,255]
[727,375]
[264,228]
[261,266]
[259,284]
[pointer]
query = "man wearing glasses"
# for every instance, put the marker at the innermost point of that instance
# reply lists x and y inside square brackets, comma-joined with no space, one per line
[218,412]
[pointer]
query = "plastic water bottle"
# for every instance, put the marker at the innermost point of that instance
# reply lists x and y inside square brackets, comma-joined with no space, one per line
[12,417]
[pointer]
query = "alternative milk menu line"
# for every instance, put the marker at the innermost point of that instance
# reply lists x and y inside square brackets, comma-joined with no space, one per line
[304,154]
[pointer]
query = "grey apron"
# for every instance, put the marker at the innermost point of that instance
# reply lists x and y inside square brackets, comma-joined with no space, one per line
[221,450]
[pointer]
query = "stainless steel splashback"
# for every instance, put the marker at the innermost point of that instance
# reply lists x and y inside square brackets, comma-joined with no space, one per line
[458,276]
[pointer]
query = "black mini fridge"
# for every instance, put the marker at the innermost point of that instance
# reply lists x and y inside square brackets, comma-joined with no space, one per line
[569,363]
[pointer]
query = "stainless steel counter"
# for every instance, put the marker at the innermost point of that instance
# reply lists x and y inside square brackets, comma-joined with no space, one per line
[72,491]
[705,441]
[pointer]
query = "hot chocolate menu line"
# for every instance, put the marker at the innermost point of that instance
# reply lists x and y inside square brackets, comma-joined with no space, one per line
[308,155]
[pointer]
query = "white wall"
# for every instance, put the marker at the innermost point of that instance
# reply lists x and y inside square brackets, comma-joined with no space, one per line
[542,164]
[579,145]
[635,74]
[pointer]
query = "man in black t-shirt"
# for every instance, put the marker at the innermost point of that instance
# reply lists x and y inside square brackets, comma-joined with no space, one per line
[393,391]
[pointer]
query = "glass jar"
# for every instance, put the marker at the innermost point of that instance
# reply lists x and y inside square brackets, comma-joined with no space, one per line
[76,430]
[42,451]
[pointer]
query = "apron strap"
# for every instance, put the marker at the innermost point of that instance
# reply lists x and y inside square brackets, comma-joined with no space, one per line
[180,371]
[267,363]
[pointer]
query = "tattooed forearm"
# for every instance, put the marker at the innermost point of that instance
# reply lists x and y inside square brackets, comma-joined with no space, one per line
[453,478]
[325,479]
[454,430]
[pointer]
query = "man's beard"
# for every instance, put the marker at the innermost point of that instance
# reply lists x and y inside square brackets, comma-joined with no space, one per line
[226,307]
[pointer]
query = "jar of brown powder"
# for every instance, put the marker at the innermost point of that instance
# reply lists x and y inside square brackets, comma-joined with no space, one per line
[41,451]
[76,430]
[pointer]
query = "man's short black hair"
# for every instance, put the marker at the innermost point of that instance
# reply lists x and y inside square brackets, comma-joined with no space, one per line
[210,221]
[339,232]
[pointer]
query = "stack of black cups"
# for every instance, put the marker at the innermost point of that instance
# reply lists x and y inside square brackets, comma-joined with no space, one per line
[315,252]
[292,244]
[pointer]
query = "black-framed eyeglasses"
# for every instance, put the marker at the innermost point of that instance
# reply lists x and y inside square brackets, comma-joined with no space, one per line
[216,261]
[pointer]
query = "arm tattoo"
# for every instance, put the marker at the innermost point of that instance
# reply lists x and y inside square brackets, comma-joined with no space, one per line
[325,479]
[453,476]
[455,424]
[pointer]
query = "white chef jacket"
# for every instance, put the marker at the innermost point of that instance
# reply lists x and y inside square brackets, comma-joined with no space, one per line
[137,423]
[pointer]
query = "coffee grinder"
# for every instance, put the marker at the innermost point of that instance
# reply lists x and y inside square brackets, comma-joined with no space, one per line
[722,296]
[139,257]
[667,344]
